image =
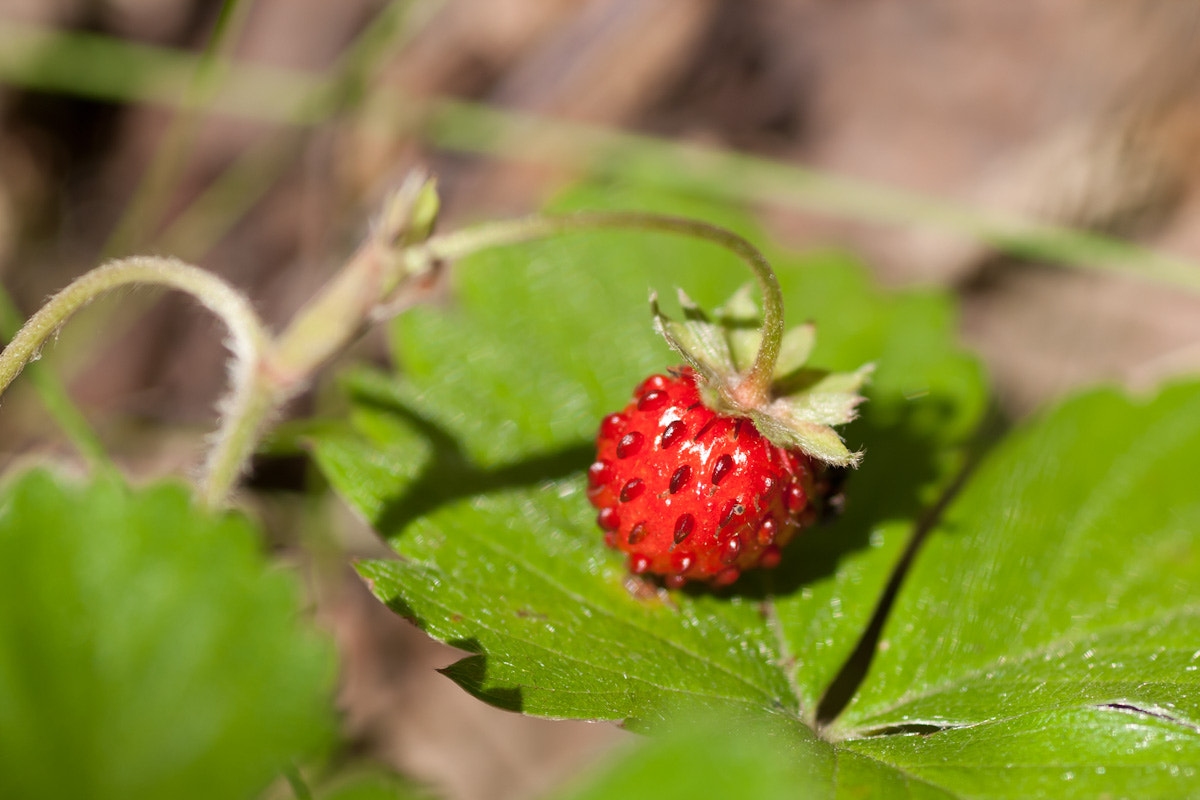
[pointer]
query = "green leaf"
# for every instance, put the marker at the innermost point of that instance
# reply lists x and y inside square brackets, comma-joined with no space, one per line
[1052,620]
[1072,752]
[555,629]
[147,649]
[471,467]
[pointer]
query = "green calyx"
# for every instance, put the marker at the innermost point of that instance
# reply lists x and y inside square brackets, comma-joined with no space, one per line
[798,409]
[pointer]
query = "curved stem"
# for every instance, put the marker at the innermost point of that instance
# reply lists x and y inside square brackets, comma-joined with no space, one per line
[755,384]
[249,341]
[266,371]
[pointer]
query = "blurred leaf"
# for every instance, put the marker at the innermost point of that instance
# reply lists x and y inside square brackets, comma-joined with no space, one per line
[750,759]
[146,648]
[1052,622]
[712,758]
[471,467]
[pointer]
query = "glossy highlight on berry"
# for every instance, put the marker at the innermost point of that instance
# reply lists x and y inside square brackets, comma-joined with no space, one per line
[730,549]
[599,474]
[652,401]
[609,519]
[701,507]
[613,425]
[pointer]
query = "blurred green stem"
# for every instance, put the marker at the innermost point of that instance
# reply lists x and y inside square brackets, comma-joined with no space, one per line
[146,207]
[326,325]
[296,781]
[119,71]
[55,398]
[265,372]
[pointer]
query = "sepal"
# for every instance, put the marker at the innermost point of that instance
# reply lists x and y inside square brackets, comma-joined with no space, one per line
[701,342]
[803,405]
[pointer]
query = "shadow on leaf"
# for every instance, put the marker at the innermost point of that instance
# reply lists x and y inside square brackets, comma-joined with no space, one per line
[450,475]
[471,674]
[900,465]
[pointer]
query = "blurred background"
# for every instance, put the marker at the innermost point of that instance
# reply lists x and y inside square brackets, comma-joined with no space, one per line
[1039,158]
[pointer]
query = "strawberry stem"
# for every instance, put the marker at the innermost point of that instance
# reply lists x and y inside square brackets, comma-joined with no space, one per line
[249,341]
[754,387]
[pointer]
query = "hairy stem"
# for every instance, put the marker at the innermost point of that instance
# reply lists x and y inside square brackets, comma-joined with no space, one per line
[755,384]
[249,341]
[267,371]
[363,288]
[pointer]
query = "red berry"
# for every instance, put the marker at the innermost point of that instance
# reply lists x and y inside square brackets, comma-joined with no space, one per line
[690,494]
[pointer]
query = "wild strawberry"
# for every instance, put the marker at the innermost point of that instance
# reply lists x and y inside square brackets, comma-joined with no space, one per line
[701,477]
